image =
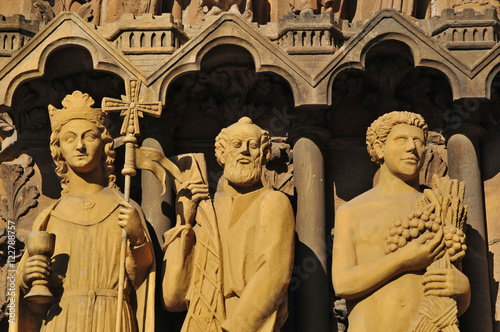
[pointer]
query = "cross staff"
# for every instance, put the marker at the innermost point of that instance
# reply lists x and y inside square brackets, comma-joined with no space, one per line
[131,108]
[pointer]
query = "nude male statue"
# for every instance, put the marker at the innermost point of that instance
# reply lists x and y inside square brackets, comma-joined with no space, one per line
[384,291]
[230,263]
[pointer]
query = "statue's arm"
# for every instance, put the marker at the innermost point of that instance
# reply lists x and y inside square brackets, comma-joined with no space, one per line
[352,280]
[178,247]
[268,285]
[178,251]
[138,262]
[140,254]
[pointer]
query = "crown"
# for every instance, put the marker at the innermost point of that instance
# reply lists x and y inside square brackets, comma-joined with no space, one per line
[75,106]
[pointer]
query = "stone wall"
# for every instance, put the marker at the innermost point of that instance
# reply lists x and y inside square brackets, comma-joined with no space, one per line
[314,78]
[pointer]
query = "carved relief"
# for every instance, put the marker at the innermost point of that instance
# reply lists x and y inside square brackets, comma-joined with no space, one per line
[278,172]
[18,195]
[96,11]
[224,95]
[478,5]
[310,6]
[216,7]
[8,135]
[45,10]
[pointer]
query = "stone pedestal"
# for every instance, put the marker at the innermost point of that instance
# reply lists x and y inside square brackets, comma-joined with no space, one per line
[463,162]
[310,266]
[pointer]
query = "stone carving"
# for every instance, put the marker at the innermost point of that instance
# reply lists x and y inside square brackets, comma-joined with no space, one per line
[87,221]
[45,10]
[230,263]
[309,6]
[386,238]
[96,11]
[435,160]
[227,94]
[216,7]
[367,8]
[278,172]
[453,28]
[112,10]
[478,5]
[19,196]
[8,134]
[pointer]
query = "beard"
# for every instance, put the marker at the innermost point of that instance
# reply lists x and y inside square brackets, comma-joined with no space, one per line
[243,175]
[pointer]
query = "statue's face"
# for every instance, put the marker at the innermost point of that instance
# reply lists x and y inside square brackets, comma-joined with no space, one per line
[403,151]
[243,156]
[81,145]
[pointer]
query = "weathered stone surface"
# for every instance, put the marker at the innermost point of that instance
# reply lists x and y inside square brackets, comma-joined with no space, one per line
[385,238]
[313,66]
[229,285]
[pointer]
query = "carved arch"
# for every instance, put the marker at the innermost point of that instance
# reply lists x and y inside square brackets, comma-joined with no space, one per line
[390,25]
[29,62]
[229,40]
[416,52]
[56,45]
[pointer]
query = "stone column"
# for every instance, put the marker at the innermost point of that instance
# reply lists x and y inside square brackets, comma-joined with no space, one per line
[463,163]
[310,282]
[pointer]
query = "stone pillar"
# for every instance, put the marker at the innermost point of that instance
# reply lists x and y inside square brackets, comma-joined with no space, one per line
[463,163]
[310,282]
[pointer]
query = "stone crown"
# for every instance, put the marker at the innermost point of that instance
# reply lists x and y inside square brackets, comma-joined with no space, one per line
[78,105]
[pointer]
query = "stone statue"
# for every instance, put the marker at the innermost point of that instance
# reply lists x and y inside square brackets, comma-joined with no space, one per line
[303,6]
[229,262]
[98,12]
[365,9]
[112,10]
[397,251]
[216,7]
[87,221]
[478,5]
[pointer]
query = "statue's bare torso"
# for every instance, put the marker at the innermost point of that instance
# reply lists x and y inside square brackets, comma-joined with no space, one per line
[370,217]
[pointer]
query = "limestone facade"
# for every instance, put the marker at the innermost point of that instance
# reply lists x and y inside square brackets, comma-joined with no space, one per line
[315,74]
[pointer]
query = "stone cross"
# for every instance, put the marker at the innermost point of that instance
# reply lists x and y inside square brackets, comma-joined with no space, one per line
[131,107]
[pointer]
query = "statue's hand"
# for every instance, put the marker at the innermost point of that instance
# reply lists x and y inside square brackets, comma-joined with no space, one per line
[130,221]
[422,251]
[37,267]
[445,282]
[187,200]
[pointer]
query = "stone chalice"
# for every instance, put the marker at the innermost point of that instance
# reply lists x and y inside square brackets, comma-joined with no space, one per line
[40,243]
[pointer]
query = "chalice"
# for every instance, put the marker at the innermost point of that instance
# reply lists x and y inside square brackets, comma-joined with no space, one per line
[40,243]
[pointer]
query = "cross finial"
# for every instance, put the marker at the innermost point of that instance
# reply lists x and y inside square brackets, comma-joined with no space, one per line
[131,107]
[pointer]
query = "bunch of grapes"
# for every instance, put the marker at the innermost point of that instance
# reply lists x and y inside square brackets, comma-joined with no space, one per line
[454,240]
[419,222]
[406,229]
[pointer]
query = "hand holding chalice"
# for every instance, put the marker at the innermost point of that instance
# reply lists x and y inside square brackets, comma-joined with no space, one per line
[36,273]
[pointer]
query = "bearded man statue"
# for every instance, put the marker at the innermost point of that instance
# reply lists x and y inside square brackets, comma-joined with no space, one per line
[229,261]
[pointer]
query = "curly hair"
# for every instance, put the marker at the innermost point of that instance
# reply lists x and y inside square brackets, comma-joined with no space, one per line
[380,129]
[62,167]
[222,142]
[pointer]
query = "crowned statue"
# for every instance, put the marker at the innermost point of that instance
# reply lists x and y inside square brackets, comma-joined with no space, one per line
[83,274]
